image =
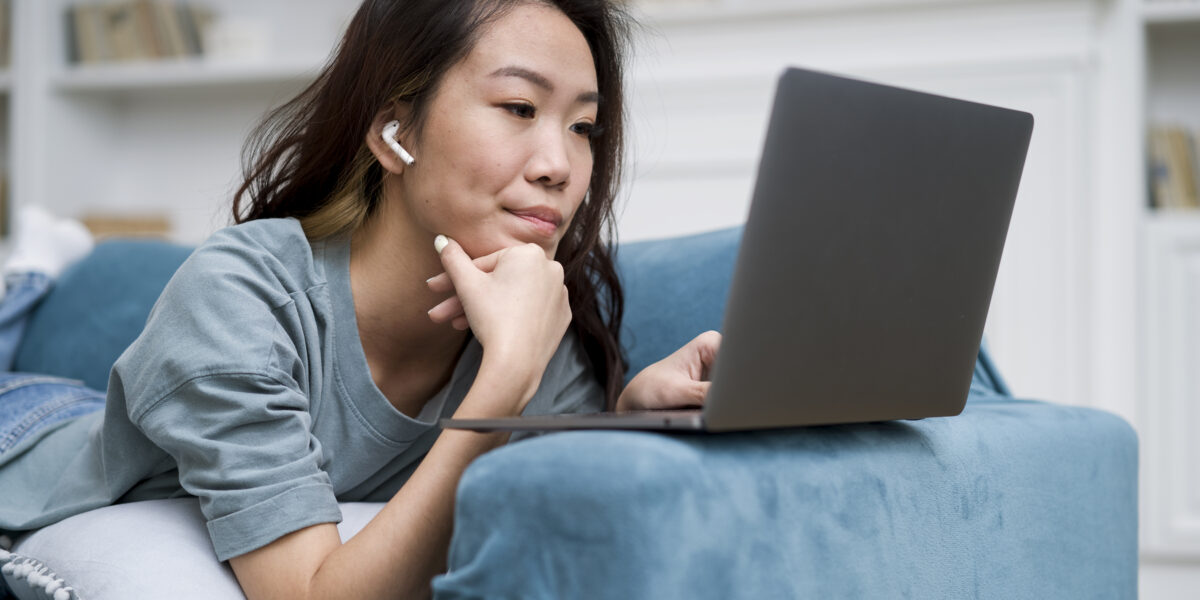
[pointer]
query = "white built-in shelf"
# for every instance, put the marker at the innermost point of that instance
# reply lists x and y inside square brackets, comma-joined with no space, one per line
[1172,11]
[1179,217]
[1172,94]
[117,79]
[687,11]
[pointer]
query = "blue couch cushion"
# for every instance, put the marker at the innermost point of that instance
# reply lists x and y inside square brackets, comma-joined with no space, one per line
[959,507]
[96,309]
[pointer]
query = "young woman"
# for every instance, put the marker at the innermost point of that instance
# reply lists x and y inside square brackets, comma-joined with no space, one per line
[303,356]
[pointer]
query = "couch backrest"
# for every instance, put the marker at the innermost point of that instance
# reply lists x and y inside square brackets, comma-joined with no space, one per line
[674,289]
[97,308]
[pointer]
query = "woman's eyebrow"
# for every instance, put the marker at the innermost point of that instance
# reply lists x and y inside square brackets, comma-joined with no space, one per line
[541,81]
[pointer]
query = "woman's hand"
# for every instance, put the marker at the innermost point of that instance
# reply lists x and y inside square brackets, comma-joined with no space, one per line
[451,309]
[513,300]
[677,381]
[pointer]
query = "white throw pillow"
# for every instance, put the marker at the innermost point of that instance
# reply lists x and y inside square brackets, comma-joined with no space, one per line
[153,549]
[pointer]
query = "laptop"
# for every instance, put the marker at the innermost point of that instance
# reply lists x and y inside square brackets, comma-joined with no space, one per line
[866,265]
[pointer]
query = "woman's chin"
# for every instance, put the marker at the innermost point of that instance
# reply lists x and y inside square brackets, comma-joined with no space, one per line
[484,248]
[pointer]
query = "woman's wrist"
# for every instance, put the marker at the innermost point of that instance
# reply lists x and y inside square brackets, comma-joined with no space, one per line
[623,401]
[502,387]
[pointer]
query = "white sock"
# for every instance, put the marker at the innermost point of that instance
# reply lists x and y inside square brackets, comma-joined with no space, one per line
[45,244]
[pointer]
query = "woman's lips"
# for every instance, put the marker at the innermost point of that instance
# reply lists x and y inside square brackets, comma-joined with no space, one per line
[545,221]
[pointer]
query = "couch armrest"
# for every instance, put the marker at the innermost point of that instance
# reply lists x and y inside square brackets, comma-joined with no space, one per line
[96,309]
[1011,499]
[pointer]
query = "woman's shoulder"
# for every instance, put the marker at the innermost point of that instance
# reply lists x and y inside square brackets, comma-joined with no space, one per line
[221,311]
[269,258]
[261,232]
[281,239]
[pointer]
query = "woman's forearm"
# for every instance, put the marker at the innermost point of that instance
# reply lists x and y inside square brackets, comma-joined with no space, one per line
[397,554]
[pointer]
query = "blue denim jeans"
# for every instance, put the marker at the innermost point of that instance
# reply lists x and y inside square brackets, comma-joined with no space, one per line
[30,403]
[23,293]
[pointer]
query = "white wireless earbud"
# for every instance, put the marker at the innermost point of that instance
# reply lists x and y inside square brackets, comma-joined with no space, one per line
[389,137]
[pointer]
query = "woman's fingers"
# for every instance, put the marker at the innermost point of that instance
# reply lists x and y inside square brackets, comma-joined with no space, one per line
[704,348]
[699,393]
[677,381]
[447,310]
[441,282]
[451,309]
[514,301]
[696,359]
[459,267]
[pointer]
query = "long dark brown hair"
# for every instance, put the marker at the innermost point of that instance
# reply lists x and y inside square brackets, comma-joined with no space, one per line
[308,158]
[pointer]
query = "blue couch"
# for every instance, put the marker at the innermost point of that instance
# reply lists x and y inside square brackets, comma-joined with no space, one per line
[1011,499]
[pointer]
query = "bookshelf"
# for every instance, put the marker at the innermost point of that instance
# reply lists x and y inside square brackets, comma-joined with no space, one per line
[186,74]
[6,31]
[1172,53]
[1169,250]
[1170,11]
[156,136]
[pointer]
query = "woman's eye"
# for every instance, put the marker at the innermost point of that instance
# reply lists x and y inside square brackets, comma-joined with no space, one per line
[587,130]
[520,109]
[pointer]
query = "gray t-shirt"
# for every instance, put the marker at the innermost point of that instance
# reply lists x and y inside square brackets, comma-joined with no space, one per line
[249,389]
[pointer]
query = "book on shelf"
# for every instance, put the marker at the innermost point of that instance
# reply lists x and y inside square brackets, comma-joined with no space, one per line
[5,33]
[5,223]
[134,30]
[1174,177]
[103,225]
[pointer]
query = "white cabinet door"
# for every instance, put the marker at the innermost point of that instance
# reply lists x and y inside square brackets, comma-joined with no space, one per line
[1170,408]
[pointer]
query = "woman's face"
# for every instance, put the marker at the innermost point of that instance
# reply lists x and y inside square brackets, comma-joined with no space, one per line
[505,156]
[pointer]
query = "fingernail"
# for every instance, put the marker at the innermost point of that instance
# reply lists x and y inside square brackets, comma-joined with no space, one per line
[439,243]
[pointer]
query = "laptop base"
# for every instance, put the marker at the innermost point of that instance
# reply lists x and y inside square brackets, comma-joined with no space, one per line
[650,420]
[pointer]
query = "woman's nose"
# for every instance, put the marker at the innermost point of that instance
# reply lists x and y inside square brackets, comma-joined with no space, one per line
[550,163]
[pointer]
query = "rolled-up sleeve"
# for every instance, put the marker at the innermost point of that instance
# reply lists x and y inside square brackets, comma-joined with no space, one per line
[244,447]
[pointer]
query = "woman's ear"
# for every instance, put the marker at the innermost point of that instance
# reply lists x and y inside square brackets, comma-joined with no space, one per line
[383,140]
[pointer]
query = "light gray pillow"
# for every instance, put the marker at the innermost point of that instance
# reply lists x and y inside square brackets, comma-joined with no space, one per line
[153,549]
